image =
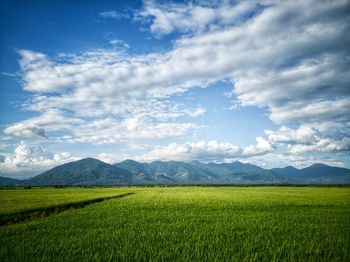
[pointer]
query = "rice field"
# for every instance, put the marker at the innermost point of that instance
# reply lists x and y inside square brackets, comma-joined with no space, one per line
[185,224]
[15,200]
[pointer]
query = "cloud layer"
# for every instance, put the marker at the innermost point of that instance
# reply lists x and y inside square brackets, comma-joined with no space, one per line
[290,57]
[32,159]
[206,151]
[163,19]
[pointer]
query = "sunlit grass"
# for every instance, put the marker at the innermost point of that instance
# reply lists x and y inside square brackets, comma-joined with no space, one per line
[192,223]
[14,200]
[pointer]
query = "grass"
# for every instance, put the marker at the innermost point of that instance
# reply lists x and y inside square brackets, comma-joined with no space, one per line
[17,200]
[191,223]
[40,212]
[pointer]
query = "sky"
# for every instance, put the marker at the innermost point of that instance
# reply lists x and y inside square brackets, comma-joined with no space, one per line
[265,82]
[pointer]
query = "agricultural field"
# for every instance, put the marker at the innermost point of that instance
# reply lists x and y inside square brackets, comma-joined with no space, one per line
[14,200]
[182,224]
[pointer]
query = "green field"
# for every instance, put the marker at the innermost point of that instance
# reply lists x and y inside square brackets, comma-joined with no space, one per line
[181,224]
[14,200]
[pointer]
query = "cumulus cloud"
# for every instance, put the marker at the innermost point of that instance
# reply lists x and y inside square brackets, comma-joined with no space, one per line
[25,130]
[104,130]
[28,158]
[318,111]
[262,147]
[197,17]
[207,151]
[50,120]
[84,86]
[108,130]
[322,145]
[303,134]
[307,139]
[304,55]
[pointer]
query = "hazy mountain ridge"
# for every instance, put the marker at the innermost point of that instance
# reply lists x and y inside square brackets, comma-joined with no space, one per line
[90,171]
[8,181]
[316,173]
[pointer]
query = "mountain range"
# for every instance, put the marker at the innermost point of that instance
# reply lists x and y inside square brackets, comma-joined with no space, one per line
[90,171]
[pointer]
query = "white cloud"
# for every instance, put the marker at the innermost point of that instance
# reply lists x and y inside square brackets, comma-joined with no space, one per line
[307,139]
[334,110]
[51,120]
[113,14]
[255,54]
[93,91]
[262,147]
[322,145]
[119,42]
[108,130]
[193,17]
[39,74]
[206,151]
[303,134]
[297,160]
[25,130]
[33,159]
[197,112]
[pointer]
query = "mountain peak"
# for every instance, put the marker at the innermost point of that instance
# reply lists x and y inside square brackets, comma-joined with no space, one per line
[89,159]
[290,168]
[129,161]
[82,172]
[318,165]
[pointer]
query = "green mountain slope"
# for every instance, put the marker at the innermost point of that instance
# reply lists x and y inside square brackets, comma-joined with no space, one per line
[7,181]
[87,171]
[316,174]
[91,171]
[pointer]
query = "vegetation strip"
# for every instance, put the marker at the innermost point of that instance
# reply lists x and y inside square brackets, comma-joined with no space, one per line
[27,215]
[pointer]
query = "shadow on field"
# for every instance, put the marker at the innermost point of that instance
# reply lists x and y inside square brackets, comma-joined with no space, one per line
[32,214]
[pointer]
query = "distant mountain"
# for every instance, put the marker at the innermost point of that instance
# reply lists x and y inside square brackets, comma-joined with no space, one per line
[242,173]
[7,181]
[315,174]
[171,172]
[285,171]
[139,171]
[182,172]
[132,166]
[238,166]
[88,171]
[91,171]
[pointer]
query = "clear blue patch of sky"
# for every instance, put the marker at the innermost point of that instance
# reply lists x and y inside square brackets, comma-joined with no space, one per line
[239,126]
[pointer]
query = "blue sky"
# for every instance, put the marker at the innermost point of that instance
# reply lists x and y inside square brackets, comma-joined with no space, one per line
[265,82]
